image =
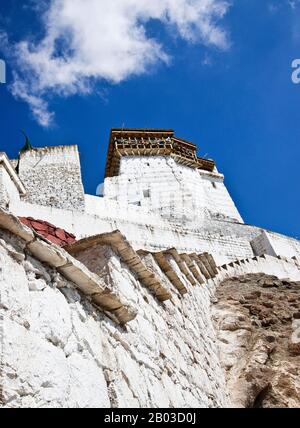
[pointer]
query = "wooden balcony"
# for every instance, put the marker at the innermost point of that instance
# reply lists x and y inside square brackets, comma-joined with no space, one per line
[147,142]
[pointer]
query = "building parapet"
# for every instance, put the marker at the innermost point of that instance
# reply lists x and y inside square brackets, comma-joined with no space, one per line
[12,173]
[87,282]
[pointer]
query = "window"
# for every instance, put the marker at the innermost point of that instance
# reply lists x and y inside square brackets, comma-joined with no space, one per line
[214,185]
[146,193]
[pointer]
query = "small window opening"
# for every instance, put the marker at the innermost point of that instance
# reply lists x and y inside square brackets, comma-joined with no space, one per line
[146,193]
[214,185]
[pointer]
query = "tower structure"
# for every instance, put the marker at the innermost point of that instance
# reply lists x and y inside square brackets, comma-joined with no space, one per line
[52,177]
[163,173]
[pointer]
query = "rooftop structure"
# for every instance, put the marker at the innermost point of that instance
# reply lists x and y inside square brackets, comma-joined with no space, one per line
[49,231]
[152,142]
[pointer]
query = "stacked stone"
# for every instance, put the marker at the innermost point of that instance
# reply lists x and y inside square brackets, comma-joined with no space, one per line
[52,233]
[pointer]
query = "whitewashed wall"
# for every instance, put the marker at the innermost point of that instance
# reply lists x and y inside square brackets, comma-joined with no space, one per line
[156,203]
[52,177]
[9,194]
[176,192]
[57,350]
[274,244]
[143,230]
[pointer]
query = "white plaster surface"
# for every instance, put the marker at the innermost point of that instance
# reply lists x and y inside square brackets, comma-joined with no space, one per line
[57,350]
[146,231]
[274,244]
[9,194]
[52,177]
[176,192]
[155,202]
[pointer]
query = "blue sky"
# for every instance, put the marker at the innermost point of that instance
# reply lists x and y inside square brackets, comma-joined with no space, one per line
[221,80]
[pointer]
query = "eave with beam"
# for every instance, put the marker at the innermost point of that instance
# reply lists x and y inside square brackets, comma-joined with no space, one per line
[150,142]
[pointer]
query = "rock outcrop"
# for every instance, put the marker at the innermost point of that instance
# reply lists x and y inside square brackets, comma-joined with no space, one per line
[257,319]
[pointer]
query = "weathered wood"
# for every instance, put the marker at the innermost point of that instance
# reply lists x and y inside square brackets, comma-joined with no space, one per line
[87,282]
[169,272]
[194,268]
[127,254]
[182,266]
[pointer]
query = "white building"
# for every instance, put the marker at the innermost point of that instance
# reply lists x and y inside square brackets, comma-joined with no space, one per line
[156,191]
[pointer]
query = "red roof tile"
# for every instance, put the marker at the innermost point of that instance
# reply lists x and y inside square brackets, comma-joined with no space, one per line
[54,234]
[60,234]
[39,226]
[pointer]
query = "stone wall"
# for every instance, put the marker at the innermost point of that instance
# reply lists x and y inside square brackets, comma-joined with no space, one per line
[9,194]
[11,188]
[52,177]
[276,245]
[178,193]
[225,240]
[60,350]
[50,346]
[228,241]
[116,328]
[155,202]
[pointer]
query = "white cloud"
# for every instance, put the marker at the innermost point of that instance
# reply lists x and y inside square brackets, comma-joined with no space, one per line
[293,4]
[90,40]
[38,106]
